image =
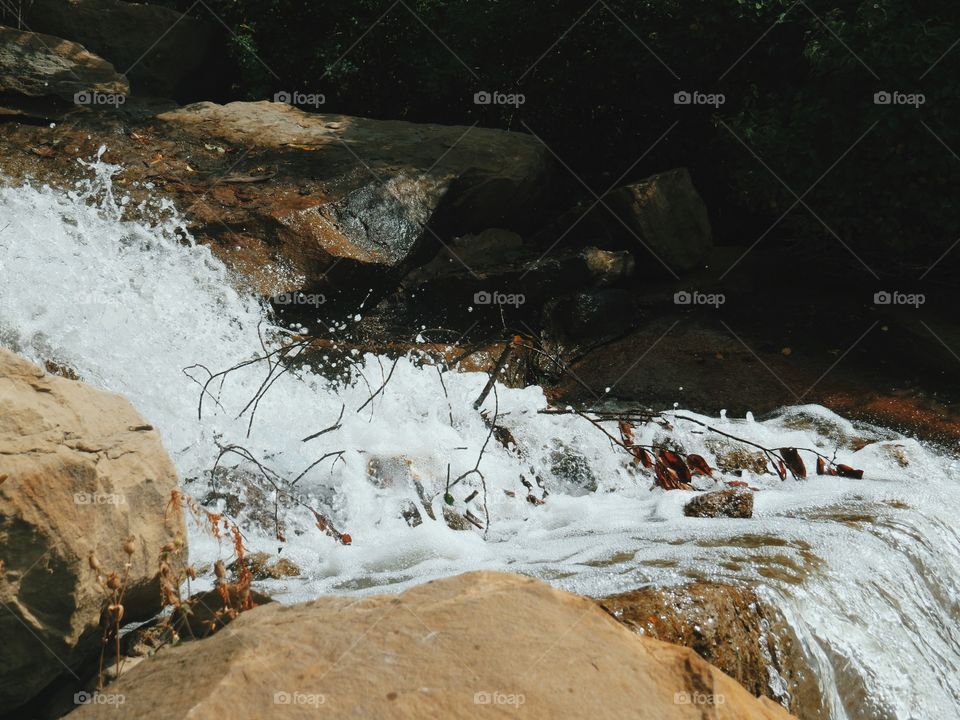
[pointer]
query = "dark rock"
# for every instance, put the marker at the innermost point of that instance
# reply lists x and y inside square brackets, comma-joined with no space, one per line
[734,503]
[600,313]
[662,215]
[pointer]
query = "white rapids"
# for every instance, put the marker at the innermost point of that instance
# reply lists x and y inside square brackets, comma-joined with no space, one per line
[866,571]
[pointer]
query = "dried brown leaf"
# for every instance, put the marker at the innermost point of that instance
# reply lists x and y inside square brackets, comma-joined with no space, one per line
[699,466]
[849,472]
[793,460]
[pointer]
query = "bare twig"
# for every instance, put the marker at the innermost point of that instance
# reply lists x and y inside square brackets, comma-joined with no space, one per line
[335,426]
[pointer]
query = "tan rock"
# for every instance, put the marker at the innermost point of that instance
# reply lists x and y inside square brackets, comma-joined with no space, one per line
[477,645]
[85,473]
[35,64]
[732,628]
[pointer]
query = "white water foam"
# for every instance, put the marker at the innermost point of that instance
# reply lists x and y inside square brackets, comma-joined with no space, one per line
[866,570]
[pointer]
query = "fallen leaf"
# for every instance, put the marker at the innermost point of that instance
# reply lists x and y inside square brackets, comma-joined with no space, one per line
[668,479]
[741,483]
[645,458]
[699,466]
[849,472]
[793,460]
[534,500]
[44,151]
[675,463]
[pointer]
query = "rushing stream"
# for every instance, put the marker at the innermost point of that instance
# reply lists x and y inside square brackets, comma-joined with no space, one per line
[866,571]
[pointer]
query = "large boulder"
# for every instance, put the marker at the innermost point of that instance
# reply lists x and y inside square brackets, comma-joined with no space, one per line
[38,65]
[80,472]
[731,627]
[304,201]
[161,51]
[476,645]
[349,188]
[663,218]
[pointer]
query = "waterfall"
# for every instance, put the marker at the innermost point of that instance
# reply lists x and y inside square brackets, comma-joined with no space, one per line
[866,571]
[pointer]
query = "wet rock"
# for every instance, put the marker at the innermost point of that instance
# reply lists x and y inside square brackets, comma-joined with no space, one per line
[263,567]
[599,314]
[82,473]
[329,205]
[161,51]
[730,627]
[734,459]
[481,176]
[533,650]
[37,65]
[411,513]
[608,266]
[735,503]
[572,470]
[454,520]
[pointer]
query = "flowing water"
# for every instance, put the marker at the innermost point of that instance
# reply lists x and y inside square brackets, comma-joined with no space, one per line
[866,571]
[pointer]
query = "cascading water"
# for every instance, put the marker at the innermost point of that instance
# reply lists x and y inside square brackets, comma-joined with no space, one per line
[866,571]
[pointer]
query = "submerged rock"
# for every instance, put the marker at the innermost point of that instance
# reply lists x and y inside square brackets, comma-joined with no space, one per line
[464,647]
[734,503]
[82,473]
[732,628]
[572,470]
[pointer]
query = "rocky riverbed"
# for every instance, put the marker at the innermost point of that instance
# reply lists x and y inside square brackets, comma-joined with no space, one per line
[497,371]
